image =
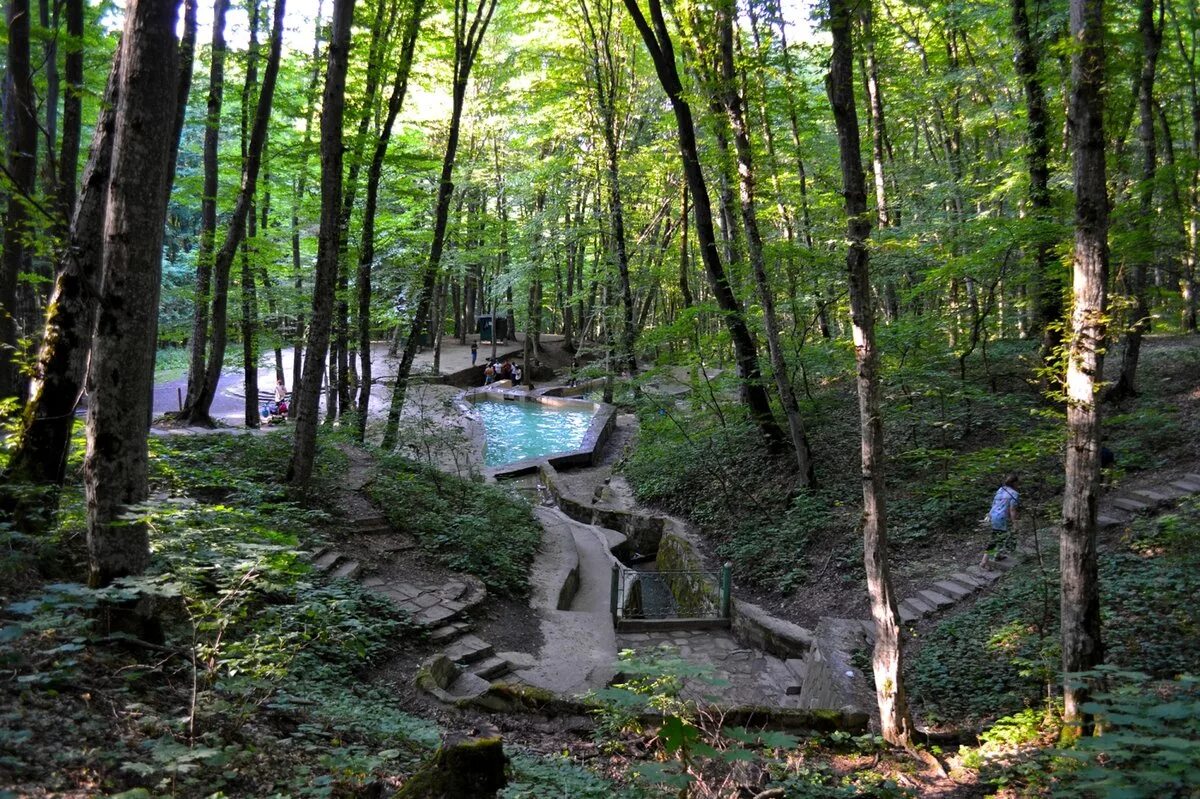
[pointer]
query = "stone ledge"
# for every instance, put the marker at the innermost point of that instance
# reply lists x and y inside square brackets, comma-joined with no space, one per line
[754,626]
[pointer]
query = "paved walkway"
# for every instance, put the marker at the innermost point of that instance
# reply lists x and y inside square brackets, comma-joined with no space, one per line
[579,647]
[229,404]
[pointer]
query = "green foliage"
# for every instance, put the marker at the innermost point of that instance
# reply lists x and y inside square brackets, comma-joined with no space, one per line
[470,527]
[714,471]
[555,777]
[774,550]
[1144,438]
[1151,741]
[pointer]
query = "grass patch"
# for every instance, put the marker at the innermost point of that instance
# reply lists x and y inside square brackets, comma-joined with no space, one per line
[469,527]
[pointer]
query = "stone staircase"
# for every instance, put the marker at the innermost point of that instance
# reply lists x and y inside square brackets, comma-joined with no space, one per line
[443,610]
[1124,507]
[826,679]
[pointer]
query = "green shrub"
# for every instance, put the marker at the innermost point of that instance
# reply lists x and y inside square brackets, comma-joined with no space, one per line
[1151,741]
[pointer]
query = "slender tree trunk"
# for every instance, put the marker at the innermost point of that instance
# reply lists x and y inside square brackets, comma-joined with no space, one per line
[208,209]
[50,73]
[685,266]
[301,190]
[606,79]
[198,411]
[1046,286]
[1082,645]
[72,119]
[1135,284]
[894,715]
[732,102]
[753,393]
[467,37]
[367,249]
[333,107]
[122,366]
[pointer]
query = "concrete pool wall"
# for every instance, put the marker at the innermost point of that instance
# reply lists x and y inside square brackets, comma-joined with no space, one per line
[587,454]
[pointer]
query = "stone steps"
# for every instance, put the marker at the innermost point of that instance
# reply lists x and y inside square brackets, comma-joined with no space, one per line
[469,649]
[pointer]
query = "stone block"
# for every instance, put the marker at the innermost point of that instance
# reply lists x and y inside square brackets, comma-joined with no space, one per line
[908,614]
[953,589]
[469,649]
[968,580]
[1131,505]
[920,605]
[938,600]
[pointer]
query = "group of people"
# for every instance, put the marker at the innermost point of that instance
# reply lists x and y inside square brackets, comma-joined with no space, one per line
[502,370]
[277,409]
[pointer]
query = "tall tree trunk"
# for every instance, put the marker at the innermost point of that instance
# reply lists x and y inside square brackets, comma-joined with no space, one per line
[249,297]
[732,103]
[198,411]
[366,257]
[301,189]
[1046,286]
[467,37]
[50,179]
[1187,282]
[753,393]
[1135,284]
[333,107]
[122,366]
[878,123]
[40,456]
[1082,645]
[22,129]
[208,209]
[339,378]
[43,444]
[794,127]
[68,158]
[894,715]
[685,266]
[606,78]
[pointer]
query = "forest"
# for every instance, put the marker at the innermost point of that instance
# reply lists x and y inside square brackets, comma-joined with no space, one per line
[828,273]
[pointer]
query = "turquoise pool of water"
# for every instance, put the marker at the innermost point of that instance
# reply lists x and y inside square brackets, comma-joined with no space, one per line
[519,430]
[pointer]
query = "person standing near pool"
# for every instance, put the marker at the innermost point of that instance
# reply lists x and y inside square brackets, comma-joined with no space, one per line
[474,352]
[1003,517]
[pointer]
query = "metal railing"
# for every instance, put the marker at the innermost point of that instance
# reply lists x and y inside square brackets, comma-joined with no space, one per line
[663,597]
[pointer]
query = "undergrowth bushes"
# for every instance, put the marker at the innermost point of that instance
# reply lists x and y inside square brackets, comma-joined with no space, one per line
[715,473]
[249,682]
[470,527]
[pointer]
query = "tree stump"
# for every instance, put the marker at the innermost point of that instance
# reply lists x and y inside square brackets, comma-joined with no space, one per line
[464,766]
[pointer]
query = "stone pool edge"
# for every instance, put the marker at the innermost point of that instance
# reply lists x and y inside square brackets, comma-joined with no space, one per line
[587,454]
